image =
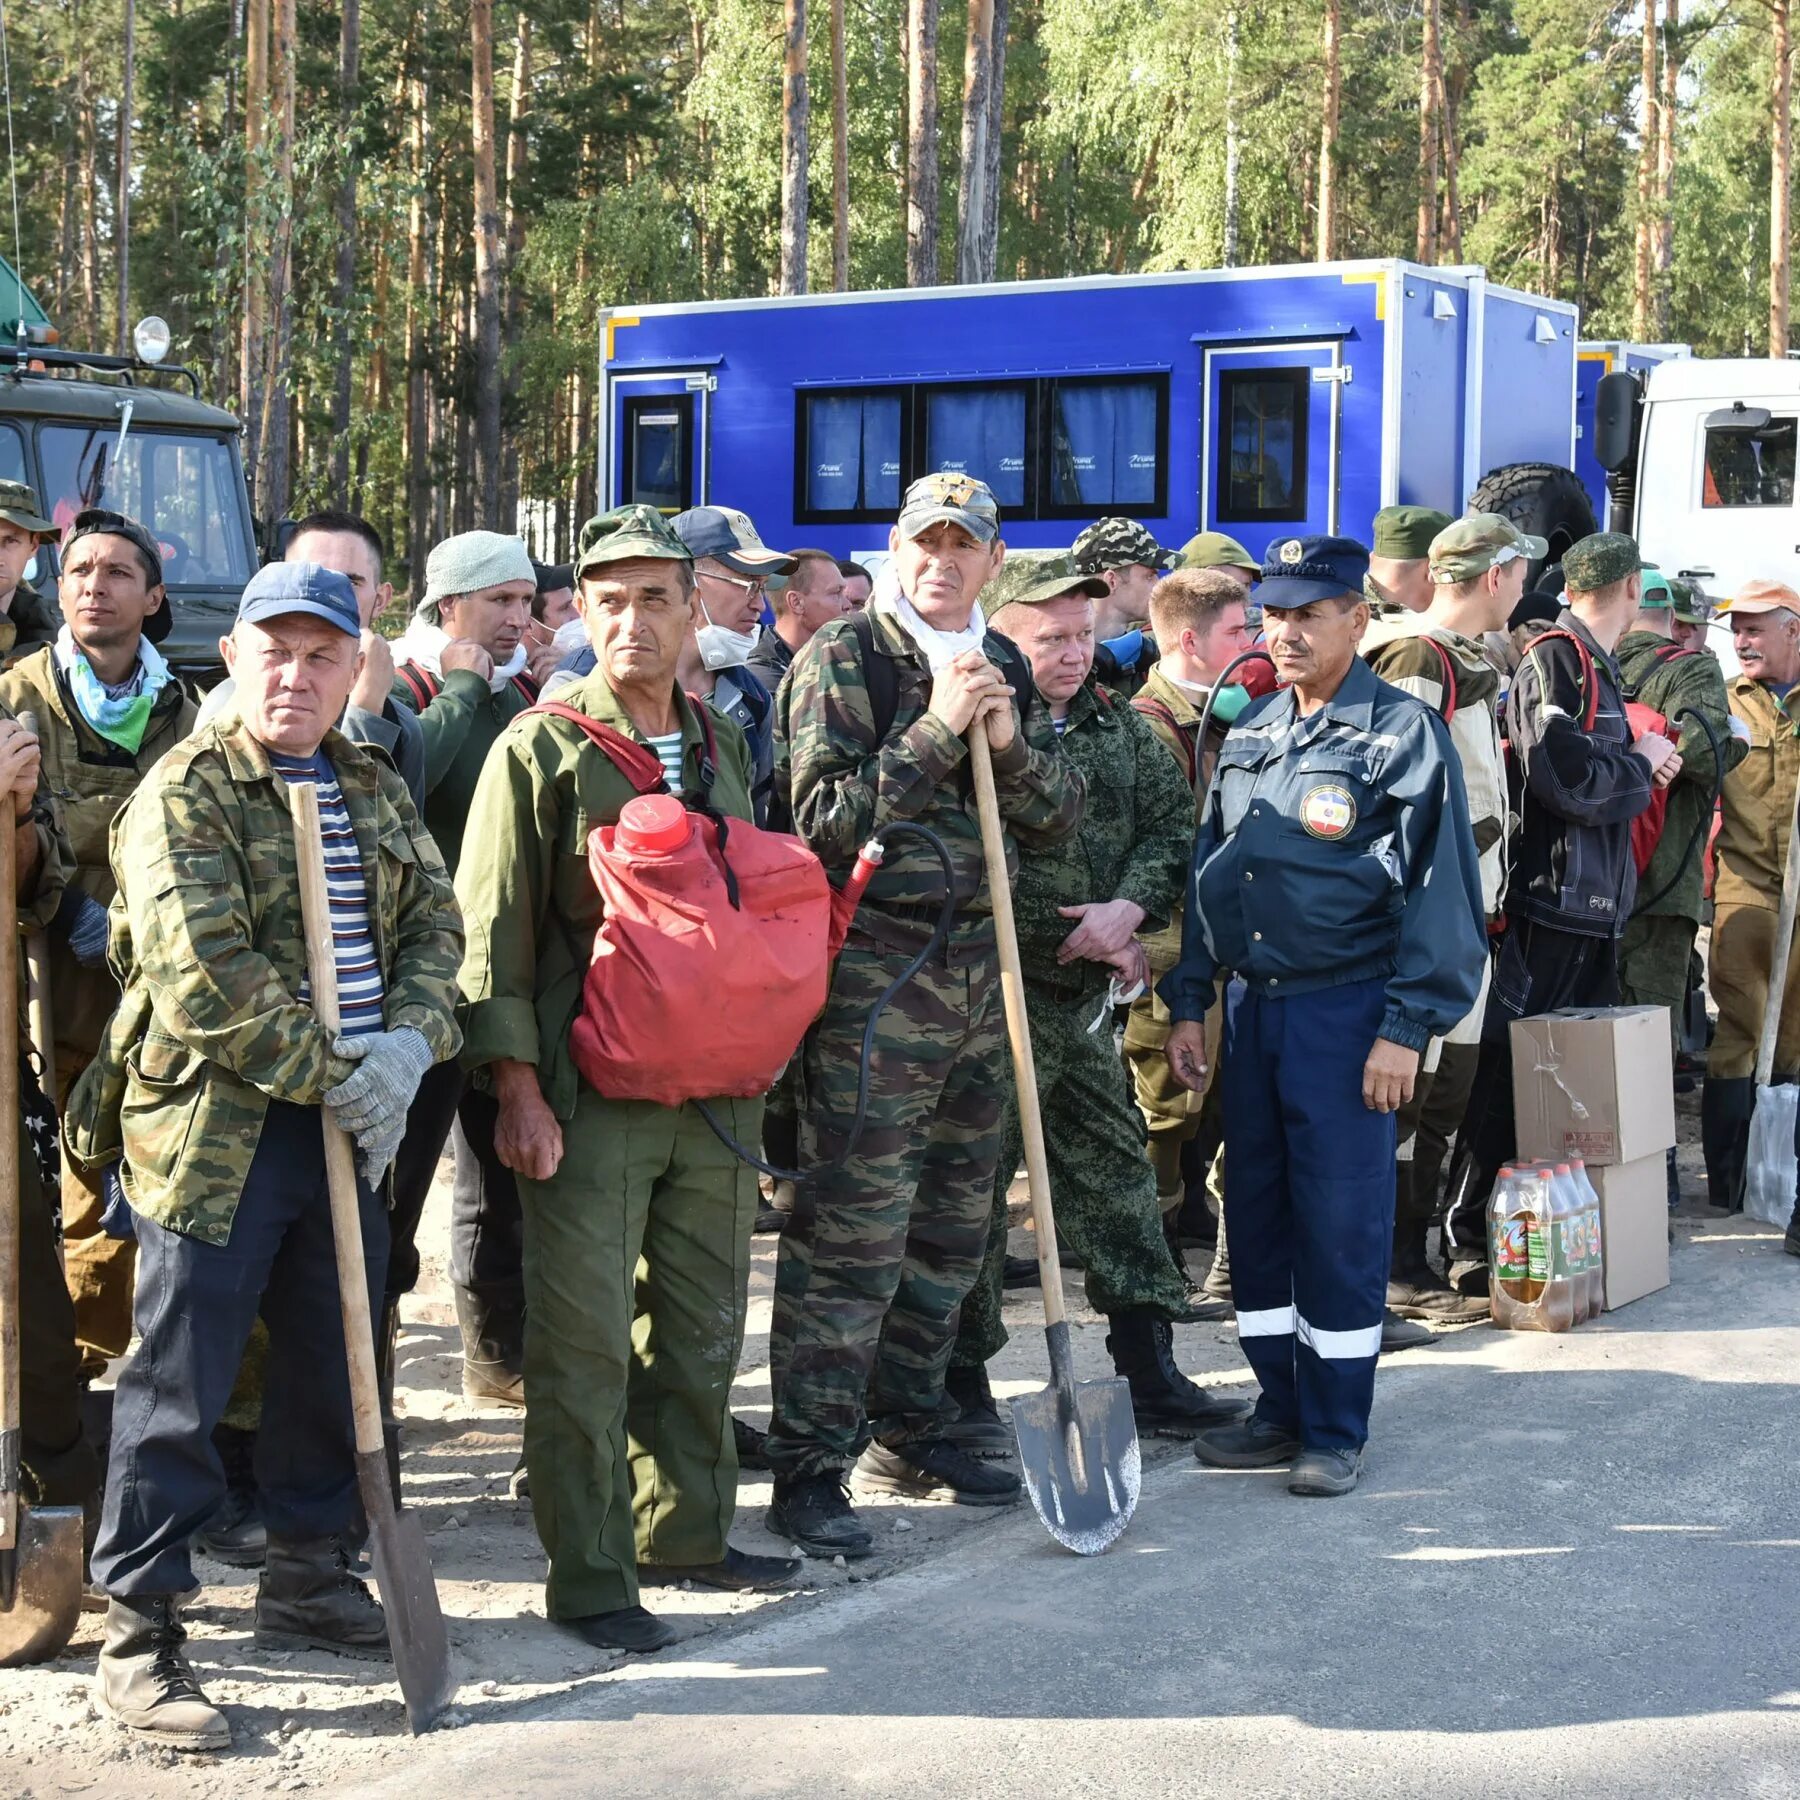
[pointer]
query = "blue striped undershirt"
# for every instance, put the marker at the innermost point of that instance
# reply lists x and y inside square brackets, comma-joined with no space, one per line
[668,749]
[360,992]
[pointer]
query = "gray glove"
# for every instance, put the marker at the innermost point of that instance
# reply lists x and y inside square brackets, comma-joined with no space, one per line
[371,1103]
[87,932]
[377,1147]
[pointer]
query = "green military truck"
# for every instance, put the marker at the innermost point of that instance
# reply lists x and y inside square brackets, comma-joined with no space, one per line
[132,433]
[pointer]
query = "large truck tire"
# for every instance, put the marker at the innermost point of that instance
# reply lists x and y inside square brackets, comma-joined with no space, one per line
[1541,498]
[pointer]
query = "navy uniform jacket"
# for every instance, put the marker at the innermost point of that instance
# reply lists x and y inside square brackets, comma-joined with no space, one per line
[1337,848]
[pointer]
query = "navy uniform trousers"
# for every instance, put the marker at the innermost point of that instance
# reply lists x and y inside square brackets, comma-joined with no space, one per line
[1309,1191]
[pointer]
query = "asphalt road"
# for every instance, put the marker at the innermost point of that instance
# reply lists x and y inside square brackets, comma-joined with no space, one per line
[1573,1565]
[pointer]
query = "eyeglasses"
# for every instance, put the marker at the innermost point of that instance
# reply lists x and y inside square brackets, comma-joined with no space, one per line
[756,589]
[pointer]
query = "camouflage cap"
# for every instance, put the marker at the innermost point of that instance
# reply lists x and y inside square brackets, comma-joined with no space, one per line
[1598,561]
[19,506]
[624,532]
[949,497]
[1214,550]
[1471,546]
[1692,606]
[1030,577]
[1404,533]
[1118,544]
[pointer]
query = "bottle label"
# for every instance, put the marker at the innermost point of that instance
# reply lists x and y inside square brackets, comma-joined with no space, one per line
[1593,1237]
[1537,1248]
[1568,1252]
[1510,1257]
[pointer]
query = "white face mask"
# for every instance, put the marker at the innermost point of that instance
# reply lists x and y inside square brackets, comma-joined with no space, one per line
[722,649]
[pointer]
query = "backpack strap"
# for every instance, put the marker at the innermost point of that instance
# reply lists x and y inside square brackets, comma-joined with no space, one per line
[1147,706]
[526,688]
[880,682]
[421,684]
[1590,709]
[640,765]
[1449,709]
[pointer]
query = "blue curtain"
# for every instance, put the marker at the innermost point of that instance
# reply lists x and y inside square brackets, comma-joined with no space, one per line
[853,446]
[980,432]
[881,452]
[1105,444]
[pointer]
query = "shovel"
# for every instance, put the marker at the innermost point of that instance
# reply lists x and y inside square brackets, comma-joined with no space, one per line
[40,1547]
[37,984]
[1078,1442]
[1769,1166]
[409,1595]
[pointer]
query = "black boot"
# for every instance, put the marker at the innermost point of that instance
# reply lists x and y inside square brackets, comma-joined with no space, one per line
[1165,1401]
[1415,1290]
[493,1335]
[1791,1243]
[234,1535]
[814,1511]
[309,1600]
[387,1343]
[752,1444]
[1725,1108]
[979,1429]
[145,1682]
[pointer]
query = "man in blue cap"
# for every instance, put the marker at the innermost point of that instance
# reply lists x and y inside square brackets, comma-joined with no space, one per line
[1335,886]
[205,1094]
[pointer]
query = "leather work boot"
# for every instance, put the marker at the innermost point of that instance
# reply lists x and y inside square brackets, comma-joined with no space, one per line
[234,1535]
[814,1512]
[1415,1290]
[1142,1345]
[309,1600]
[978,1429]
[1725,1109]
[493,1334]
[1251,1443]
[1324,1474]
[145,1682]
[1402,1334]
[924,1471]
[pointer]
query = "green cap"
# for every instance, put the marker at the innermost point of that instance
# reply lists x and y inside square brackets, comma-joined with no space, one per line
[1118,544]
[19,506]
[624,532]
[1659,591]
[1214,550]
[1598,561]
[1471,546]
[1691,606]
[1030,577]
[949,497]
[1404,533]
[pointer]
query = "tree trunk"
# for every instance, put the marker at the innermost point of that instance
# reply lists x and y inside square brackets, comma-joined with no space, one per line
[486,345]
[974,256]
[349,75]
[921,144]
[517,149]
[1450,97]
[419,284]
[1662,250]
[256,234]
[1644,237]
[1430,76]
[278,343]
[840,154]
[990,225]
[1325,237]
[1234,138]
[1781,128]
[796,110]
[122,215]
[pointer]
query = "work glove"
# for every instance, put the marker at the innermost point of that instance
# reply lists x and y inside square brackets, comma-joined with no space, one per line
[371,1103]
[83,919]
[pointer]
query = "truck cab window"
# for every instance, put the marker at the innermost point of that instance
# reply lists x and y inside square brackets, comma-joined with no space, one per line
[1745,469]
[1262,445]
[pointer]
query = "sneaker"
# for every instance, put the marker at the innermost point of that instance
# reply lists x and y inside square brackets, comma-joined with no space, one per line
[1325,1474]
[814,1512]
[1252,1443]
[934,1469]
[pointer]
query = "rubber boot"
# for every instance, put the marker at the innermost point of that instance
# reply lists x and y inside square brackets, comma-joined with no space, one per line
[309,1600]
[145,1681]
[387,1343]
[1725,1108]
[493,1335]
[234,1535]
[978,1429]
[1142,1345]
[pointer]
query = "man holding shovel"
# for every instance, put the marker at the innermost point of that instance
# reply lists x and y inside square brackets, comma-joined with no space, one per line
[207,1090]
[1335,878]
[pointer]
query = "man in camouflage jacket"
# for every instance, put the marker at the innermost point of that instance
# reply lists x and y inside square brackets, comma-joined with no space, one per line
[207,1091]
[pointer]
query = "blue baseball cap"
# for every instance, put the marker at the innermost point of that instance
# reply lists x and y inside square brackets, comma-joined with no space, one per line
[279,589]
[1297,571]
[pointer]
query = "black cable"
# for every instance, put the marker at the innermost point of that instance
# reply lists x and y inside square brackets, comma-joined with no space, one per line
[1253,654]
[1698,836]
[939,932]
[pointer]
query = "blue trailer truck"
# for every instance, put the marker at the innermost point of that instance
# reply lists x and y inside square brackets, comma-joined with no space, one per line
[1268,403]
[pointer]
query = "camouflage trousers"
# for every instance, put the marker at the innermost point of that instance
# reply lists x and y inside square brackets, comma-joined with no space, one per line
[876,1260]
[1101,1183]
[1653,964]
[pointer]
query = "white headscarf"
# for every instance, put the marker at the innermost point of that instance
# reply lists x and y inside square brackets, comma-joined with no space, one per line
[939,648]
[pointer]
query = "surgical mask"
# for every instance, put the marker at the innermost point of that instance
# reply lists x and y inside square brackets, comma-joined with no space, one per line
[722,649]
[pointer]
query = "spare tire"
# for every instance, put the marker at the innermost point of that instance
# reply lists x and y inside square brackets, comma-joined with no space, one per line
[1541,498]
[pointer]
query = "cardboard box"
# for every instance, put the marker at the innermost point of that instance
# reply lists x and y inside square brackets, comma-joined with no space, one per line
[1594,1082]
[1634,1227]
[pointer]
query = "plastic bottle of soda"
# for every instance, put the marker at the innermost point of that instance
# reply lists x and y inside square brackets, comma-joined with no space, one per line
[1575,1242]
[1565,1291]
[1507,1270]
[1596,1253]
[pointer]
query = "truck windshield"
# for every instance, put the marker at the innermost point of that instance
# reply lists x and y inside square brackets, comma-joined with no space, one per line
[184,487]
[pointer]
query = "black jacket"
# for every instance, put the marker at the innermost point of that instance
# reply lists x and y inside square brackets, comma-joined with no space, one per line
[1579,789]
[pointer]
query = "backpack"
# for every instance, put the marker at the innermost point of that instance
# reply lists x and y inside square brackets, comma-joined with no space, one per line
[425,686]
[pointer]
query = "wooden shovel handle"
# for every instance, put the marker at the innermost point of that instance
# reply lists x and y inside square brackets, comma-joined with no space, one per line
[340,1157]
[9,1133]
[37,982]
[1018,1029]
[1779,954]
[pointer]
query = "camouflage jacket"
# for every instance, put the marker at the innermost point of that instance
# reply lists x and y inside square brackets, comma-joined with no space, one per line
[30,623]
[1133,843]
[1757,814]
[1670,682]
[526,890]
[91,779]
[843,783]
[209,951]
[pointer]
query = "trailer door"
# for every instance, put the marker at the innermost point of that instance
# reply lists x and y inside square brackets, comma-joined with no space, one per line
[1269,440]
[657,446]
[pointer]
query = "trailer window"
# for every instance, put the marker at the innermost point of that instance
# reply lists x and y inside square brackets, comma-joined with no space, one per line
[659,452]
[1750,470]
[850,453]
[979,431]
[1105,444]
[1262,445]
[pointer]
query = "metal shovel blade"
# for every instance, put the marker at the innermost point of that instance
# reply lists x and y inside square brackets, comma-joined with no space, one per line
[46,1585]
[1078,1453]
[409,1597]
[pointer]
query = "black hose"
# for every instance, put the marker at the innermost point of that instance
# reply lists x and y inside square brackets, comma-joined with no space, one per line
[1203,782]
[939,932]
[1698,835]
